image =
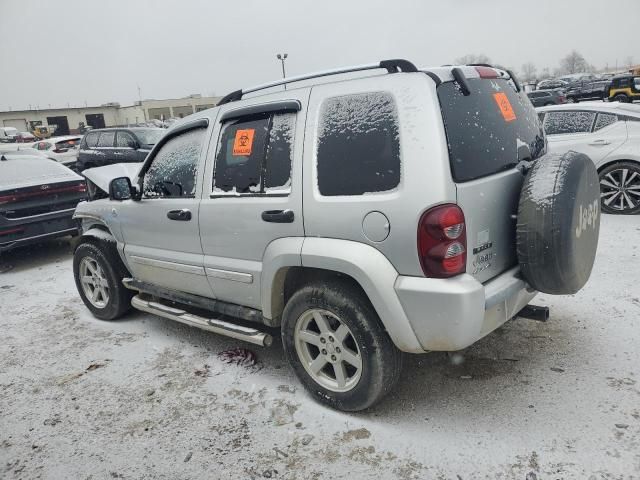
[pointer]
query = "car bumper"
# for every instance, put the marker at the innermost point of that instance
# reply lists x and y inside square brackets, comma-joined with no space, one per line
[451,314]
[35,228]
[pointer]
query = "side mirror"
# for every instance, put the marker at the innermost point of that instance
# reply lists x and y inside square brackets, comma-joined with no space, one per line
[120,189]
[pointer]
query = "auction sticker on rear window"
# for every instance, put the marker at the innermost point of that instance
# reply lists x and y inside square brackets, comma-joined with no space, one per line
[505,106]
[243,142]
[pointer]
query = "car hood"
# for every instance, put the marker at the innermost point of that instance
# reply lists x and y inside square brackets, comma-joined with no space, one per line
[19,171]
[102,176]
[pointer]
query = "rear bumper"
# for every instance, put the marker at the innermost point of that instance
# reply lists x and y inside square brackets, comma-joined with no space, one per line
[36,228]
[451,314]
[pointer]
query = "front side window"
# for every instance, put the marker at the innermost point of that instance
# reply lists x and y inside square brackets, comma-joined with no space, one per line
[604,120]
[358,145]
[125,140]
[558,123]
[172,173]
[254,155]
[106,139]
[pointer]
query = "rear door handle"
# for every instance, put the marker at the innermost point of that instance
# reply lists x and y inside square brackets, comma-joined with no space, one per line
[600,142]
[278,216]
[182,215]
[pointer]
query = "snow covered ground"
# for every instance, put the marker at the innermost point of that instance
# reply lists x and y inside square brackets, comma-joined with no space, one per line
[148,398]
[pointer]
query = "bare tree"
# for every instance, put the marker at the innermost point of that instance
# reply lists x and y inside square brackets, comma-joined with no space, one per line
[545,72]
[574,62]
[472,58]
[529,72]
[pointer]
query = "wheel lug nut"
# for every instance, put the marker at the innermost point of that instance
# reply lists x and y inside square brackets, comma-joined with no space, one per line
[337,349]
[324,352]
[323,340]
[333,357]
[331,339]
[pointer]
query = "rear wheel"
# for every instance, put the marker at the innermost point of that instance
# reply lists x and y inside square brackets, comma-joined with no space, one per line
[98,272]
[621,97]
[620,188]
[336,344]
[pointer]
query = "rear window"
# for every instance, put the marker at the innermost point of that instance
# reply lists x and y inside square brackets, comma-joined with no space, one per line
[106,139]
[490,130]
[559,123]
[91,140]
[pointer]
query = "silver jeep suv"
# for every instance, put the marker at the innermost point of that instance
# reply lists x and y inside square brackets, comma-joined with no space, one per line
[369,211]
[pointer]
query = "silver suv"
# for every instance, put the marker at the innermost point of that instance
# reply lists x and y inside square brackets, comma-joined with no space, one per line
[373,210]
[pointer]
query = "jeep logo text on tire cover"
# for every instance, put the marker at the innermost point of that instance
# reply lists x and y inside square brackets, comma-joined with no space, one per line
[587,217]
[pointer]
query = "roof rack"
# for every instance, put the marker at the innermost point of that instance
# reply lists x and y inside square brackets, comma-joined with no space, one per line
[392,66]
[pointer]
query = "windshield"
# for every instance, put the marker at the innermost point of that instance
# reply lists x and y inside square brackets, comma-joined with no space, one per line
[490,130]
[150,136]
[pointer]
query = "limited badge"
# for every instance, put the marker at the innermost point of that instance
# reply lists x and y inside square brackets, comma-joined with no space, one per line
[243,142]
[505,106]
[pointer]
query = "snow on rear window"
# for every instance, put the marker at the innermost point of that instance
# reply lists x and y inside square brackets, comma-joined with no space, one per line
[358,145]
[557,123]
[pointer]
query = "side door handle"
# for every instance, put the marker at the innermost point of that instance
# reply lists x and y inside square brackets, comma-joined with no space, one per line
[182,215]
[600,142]
[278,216]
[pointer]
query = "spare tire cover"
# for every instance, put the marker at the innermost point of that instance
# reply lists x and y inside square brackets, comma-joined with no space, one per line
[559,223]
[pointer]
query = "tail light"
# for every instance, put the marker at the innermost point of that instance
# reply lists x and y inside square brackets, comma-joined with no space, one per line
[562,99]
[17,197]
[61,150]
[442,241]
[13,230]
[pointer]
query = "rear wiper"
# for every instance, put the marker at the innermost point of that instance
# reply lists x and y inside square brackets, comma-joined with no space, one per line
[462,81]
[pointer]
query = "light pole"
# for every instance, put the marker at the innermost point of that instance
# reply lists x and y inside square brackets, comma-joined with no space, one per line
[282,58]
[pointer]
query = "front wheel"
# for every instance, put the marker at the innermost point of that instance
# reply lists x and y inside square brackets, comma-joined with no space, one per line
[336,344]
[620,188]
[622,98]
[98,272]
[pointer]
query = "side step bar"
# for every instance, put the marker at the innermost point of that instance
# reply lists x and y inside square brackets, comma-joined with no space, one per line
[221,327]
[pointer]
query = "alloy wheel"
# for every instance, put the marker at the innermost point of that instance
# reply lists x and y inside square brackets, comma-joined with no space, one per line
[620,189]
[328,350]
[94,282]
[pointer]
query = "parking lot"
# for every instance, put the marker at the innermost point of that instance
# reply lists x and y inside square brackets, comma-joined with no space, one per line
[149,398]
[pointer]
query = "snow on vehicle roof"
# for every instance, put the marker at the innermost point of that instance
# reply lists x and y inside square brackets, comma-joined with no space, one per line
[610,107]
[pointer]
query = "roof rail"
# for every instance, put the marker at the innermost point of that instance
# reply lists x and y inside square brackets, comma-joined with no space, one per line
[392,66]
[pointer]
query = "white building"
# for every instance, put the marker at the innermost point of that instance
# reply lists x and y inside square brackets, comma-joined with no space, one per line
[70,119]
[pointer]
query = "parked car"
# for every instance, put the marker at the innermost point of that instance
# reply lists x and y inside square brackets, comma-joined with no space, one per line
[25,137]
[61,149]
[589,90]
[578,77]
[624,88]
[551,83]
[37,199]
[8,134]
[547,97]
[610,135]
[116,145]
[321,211]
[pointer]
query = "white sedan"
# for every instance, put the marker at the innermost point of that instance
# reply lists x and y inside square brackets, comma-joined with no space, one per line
[609,133]
[61,149]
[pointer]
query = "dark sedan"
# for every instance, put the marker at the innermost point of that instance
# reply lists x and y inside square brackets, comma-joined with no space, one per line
[37,199]
[116,145]
[540,98]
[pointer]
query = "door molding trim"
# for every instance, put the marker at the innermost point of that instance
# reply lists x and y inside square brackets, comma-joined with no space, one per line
[229,275]
[179,267]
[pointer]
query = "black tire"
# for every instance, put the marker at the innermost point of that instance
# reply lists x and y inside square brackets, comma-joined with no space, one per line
[571,100]
[381,360]
[609,172]
[559,223]
[104,253]
[549,104]
[621,97]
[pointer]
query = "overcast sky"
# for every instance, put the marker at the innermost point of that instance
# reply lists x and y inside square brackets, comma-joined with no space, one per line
[54,52]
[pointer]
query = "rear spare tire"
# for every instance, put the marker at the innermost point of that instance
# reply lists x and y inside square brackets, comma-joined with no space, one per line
[559,223]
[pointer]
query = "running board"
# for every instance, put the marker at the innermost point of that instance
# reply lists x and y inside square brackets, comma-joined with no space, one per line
[221,327]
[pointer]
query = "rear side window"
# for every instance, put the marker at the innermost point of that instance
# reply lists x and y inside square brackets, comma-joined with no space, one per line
[173,170]
[358,145]
[106,139]
[490,130]
[604,120]
[91,140]
[254,155]
[558,123]
[125,140]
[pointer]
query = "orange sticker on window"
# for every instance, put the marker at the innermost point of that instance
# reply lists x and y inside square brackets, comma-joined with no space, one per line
[243,142]
[505,106]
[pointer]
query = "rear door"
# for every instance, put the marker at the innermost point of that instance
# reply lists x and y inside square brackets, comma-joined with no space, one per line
[253,191]
[489,132]
[125,147]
